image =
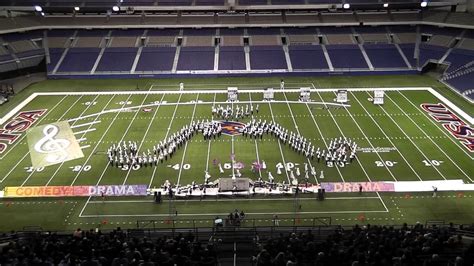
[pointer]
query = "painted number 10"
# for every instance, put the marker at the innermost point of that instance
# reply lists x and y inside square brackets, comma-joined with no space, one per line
[432,162]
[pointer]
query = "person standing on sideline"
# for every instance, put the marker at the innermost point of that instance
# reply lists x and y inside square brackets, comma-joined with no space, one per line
[360,189]
[276,222]
[435,189]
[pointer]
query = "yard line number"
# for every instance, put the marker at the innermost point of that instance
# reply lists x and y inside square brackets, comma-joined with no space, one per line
[432,162]
[385,163]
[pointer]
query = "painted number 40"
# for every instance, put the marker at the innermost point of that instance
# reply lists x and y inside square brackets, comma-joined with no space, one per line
[177,166]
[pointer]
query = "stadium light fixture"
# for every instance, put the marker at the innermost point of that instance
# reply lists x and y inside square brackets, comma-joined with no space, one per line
[116,8]
[77,8]
[424,4]
[346,6]
[385,5]
[38,8]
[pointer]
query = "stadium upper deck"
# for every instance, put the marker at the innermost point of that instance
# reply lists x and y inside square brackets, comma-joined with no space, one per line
[396,39]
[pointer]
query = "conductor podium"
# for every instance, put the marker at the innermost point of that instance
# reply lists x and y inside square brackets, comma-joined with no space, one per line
[233,184]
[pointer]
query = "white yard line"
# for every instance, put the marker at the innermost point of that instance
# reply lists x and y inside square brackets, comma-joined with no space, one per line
[414,144]
[37,123]
[107,165]
[370,143]
[18,108]
[256,145]
[211,91]
[144,136]
[297,130]
[451,105]
[431,90]
[357,159]
[442,130]
[431,139]
[224,214]
[83,135]
[387,137]
[166,136]
[85,131]
[279,146]
[324,141]
[100,140]
[186,146]
[209,144]
[85,124]
[64,114]
[234,200]
[232,152]
[200,103]
[27,153]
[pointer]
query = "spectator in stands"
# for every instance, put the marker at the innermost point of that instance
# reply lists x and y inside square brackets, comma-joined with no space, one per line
[115,248]
[78,233]
[370,245]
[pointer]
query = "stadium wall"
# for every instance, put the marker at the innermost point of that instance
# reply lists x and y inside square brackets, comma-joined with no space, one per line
[216,75]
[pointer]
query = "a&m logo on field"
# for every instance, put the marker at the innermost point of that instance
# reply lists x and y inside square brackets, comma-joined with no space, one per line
[232,128]
[52,144]
[452,123]
[11,132]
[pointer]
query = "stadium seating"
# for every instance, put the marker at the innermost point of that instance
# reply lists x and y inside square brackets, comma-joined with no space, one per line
[174,2]
[266,51]
[54,55]
[79,60]
[117,59]
[458,58]
[431,53]
[210,2]
[196,58]
[269,49]
[267,57]
[384,56]
[307,57]
[409,52]
[232,58]
[463,83]
[156,59]
[344,56]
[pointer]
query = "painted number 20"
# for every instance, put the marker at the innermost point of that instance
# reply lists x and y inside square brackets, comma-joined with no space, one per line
[385,163]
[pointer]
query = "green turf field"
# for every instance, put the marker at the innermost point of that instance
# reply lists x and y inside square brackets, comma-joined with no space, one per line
[417,149]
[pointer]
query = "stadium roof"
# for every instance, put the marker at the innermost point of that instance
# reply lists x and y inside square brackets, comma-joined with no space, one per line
[159,5]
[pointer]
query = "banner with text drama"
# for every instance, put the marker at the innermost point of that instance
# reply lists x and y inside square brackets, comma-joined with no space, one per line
[75,191]
[355,186]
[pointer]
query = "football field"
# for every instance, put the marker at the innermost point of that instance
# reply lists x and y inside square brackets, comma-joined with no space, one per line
[397,141]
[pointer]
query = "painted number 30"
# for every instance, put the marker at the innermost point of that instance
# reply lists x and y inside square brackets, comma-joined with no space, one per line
[31,169]
[79,168]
